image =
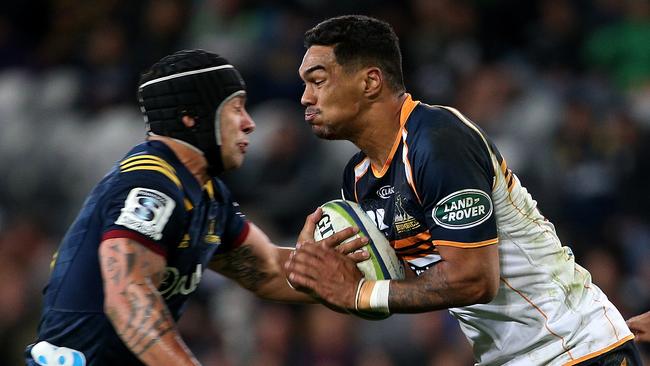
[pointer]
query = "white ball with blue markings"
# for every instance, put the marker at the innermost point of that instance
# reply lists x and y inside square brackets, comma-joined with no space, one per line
[383,264]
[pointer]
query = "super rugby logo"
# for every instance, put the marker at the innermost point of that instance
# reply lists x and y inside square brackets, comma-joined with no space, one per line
[146,211]
[385,191]
[463,209]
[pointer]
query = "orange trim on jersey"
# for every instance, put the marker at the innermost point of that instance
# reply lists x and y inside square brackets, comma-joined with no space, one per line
[384,168]
[598,353]
[605,314]
[407,107]
[543,314]
[401,243]
[504,167]
[417,250]
[458,244]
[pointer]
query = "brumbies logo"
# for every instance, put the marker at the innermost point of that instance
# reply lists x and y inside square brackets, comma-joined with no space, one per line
[463,209]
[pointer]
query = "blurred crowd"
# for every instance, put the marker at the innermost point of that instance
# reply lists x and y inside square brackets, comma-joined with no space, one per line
[562,86]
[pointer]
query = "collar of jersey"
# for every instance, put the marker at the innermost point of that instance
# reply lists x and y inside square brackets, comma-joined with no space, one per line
[407,107]
[191,186]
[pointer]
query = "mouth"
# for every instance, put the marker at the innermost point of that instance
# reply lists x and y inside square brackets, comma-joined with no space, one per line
[310,115]
[243,146]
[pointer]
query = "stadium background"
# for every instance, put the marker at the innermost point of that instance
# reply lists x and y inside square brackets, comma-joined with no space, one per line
[562,86]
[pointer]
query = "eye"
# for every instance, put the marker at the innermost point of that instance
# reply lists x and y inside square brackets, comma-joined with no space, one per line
[318,82]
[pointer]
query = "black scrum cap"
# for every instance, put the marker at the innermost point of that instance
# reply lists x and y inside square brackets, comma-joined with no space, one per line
[191,83]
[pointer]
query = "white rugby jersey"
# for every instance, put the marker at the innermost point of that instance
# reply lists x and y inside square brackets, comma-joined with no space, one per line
[446,184]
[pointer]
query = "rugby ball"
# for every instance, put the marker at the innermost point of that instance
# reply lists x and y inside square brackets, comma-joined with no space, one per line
[340,214]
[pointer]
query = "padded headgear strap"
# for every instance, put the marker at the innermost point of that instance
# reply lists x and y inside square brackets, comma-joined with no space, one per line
[189,83]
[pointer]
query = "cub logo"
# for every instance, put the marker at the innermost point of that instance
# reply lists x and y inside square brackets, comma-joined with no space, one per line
[463,209]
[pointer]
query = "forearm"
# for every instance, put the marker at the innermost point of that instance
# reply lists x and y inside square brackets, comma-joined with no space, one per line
[141,319]
[437,288]
[275,287]
[261,273]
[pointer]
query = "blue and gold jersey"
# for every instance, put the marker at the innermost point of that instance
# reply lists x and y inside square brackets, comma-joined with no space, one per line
[445,184]
[433,190]
[150,197]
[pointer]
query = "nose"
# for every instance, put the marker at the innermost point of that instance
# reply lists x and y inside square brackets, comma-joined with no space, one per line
[308,98]
[247,125]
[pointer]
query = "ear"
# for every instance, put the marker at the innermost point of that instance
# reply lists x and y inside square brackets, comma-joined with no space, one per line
[188,121]
[374,82]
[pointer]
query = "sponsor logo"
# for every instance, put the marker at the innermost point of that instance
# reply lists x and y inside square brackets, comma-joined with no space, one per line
[173,283]
[146,211]
[402,220]
[385,191]
[45,353]
[463,209]
[325,227]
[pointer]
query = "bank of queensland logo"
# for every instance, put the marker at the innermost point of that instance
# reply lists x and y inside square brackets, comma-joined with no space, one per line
[463,209]
[146,211]
[385,191]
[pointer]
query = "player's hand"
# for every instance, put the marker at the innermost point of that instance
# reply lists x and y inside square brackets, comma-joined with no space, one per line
[352,248]
[324,273]
[640,326]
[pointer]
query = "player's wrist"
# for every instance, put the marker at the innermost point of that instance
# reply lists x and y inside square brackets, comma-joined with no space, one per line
[372,296]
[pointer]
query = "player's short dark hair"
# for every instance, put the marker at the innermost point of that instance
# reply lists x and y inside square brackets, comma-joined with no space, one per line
[360,41]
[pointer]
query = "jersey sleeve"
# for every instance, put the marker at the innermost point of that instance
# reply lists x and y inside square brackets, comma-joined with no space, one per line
[236,226]
[453,180]
[147,207]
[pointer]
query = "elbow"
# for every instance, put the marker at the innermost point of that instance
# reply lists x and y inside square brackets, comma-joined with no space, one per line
[484,291]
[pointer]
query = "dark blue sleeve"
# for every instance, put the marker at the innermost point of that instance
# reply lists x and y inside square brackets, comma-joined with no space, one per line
[147,207]
[453,177]
[236,226]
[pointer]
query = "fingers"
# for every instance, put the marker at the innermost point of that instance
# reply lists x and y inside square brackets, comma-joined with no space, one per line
[352,245]
[359,256]
[335,239]
[307,232]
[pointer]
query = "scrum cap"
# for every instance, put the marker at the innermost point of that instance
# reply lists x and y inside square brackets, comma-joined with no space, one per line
[191,83]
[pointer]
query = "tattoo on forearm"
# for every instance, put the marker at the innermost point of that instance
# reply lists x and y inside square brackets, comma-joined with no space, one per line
[243,266]
[145,319]
[433,292]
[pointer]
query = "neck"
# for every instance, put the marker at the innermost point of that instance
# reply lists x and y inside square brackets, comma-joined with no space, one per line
[189,155]
[381,124]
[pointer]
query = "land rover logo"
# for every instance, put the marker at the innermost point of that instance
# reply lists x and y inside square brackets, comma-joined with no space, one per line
[385,191]
[463,209]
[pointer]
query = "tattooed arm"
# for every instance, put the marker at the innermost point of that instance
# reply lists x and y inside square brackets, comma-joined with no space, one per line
[465,276]
[131,275]
[258,265]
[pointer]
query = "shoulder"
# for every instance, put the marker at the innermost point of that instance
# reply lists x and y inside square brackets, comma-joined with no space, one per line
[148,164]
[440,130]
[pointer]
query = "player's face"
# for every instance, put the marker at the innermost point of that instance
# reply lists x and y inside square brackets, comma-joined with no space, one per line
[236,123]
[332,95]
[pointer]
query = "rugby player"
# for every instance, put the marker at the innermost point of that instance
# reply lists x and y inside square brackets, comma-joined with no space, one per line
[156,221]
[442,193]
